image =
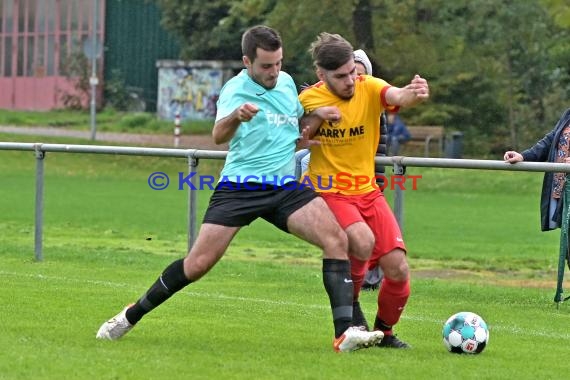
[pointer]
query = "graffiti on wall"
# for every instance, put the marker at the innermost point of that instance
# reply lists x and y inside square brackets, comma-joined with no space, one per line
[190,92]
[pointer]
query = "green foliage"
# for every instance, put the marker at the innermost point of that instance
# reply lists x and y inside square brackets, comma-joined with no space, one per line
[483,59]
[201,28]
[119,96]
[296,22]
[559,10]
[497,70]
[135,120]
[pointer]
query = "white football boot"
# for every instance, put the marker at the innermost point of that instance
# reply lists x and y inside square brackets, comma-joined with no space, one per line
[115,327]
[355,338]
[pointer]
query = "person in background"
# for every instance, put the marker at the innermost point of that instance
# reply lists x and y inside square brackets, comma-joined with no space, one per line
[553,147]
[349,137]
[258,114]
[398,133]
[555,195]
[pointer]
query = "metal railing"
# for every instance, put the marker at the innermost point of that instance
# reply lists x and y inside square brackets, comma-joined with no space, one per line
[40,150]
[399,164]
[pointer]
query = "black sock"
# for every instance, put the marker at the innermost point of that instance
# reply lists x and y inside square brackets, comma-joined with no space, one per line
[170,281]
[338,284]
[380,325]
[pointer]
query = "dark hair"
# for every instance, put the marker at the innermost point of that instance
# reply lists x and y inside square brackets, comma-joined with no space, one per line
[262,37]
[331,51]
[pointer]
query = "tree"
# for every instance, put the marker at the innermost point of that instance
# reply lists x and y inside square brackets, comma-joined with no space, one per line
[492,65]
[362,25]
[199,26]
[559,10]
[498,69]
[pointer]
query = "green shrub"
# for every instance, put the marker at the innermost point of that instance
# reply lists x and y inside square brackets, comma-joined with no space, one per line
[136,120]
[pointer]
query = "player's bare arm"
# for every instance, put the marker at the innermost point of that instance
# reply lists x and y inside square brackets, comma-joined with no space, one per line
[415,92]
[313,120]
[225,129]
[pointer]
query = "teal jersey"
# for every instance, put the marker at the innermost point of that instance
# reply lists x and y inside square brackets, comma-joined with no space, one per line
[262,149]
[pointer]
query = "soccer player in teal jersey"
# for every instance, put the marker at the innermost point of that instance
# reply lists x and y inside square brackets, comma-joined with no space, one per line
[258,114]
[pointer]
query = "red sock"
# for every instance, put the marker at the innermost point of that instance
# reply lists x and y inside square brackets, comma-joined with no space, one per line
[392,299]
[357,272]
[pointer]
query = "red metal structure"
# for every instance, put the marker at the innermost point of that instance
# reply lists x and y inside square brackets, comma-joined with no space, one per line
[37,38]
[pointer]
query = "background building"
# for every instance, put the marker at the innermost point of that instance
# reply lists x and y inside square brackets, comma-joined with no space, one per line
[46,46]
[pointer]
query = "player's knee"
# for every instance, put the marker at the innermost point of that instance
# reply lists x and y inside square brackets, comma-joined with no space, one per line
[403,271]
[340,240]
[195,267]
[396,267]
[400,272]
[361,241]
[362,248]
[336,244]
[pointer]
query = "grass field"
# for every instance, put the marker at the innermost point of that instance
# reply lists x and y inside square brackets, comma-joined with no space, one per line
[474,244]
[107,120]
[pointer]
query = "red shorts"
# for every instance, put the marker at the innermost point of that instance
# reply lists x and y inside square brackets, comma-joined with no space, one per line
[372,209]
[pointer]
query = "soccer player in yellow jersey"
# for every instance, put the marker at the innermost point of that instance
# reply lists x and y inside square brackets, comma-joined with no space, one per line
[342,170]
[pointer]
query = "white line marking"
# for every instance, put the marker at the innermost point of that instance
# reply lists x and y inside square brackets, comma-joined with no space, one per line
[493,327]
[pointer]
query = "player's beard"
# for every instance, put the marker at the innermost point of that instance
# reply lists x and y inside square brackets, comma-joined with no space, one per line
[346,92]
[266,81]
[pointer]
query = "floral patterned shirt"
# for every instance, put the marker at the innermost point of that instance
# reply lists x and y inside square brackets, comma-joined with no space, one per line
[562,152]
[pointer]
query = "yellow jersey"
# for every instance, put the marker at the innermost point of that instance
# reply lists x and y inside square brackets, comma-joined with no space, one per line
[344,160]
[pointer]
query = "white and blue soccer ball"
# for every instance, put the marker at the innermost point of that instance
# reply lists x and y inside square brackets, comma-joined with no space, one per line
[465,333]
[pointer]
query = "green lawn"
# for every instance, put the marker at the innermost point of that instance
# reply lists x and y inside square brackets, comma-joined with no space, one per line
[474,244]
[107,120]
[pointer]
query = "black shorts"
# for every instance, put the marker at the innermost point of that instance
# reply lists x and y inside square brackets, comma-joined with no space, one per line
[237,205]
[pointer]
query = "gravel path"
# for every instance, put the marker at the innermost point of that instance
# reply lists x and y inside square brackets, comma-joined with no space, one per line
[204,142]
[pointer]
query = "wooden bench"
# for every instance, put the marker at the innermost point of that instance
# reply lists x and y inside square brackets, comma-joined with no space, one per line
[425,136]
